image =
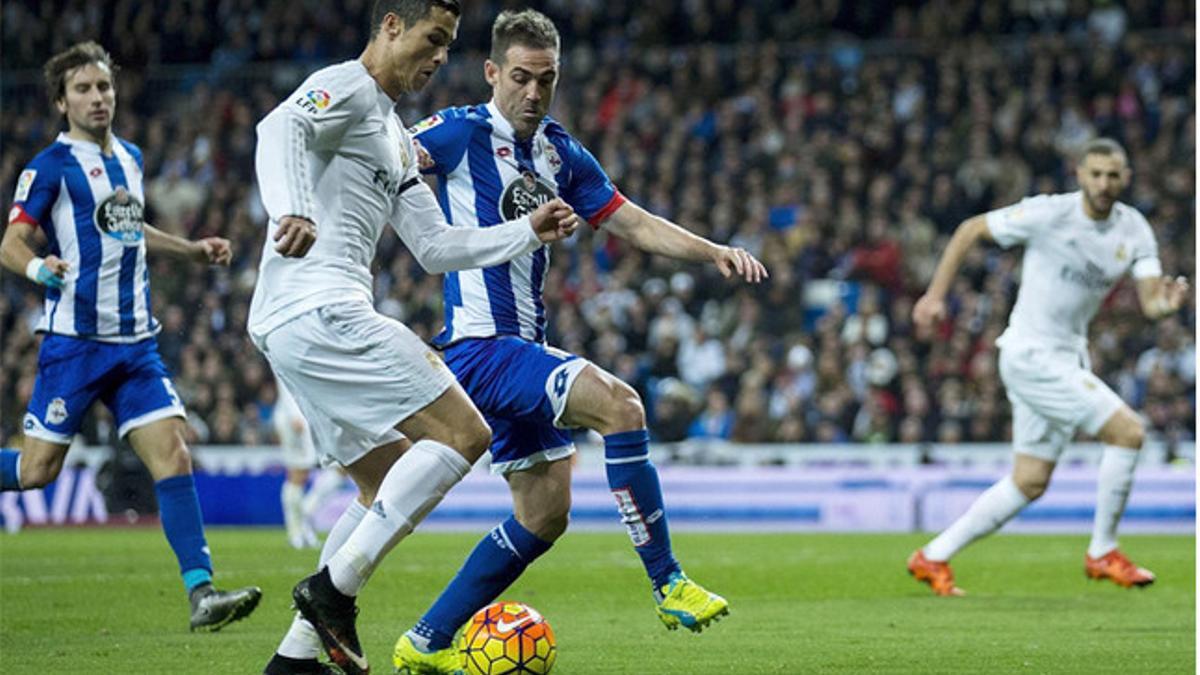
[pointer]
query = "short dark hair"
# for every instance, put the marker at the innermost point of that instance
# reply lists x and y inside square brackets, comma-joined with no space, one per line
[1102,146]
[60,65]
[409,11]
[528,28]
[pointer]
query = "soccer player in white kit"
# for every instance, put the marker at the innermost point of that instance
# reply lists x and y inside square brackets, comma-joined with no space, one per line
[1077,247]
[334,163]
[299,459]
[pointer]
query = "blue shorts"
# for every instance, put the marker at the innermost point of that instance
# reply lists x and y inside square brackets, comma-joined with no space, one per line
[521,388]
[129,378]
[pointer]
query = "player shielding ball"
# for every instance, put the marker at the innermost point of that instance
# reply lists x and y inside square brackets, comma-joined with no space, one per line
[334,165]
[83,196]
[497,161]
[1077,247]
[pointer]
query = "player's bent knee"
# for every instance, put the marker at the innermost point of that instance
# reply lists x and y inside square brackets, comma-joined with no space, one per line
[628,412]
[1032,488]
[38,472]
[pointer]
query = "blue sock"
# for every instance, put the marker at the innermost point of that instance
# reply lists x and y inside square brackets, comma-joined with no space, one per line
[634,482]
[498,559]
[9,478]
[179,510]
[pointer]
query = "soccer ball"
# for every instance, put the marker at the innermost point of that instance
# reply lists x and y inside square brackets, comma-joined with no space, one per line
[508,638]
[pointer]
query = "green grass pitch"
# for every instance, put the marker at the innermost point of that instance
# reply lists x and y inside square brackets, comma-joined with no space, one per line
[109,601]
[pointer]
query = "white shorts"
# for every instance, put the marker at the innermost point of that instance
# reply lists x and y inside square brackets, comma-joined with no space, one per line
[298,449]
[355,374]
[1053,392]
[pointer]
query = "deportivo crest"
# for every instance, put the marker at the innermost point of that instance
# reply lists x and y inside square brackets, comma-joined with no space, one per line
[552,157]
[426,124]
[523,195]
[1121,253]
[121,217]
[314,100]
[24,184]
[56,411]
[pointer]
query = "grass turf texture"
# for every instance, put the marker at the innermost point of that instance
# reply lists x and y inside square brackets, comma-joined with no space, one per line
[108,601]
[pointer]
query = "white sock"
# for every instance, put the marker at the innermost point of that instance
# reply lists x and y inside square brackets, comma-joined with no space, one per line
[327,482]
[992,509]
[412,487]
[1112,491]
[292,497]
[301,641]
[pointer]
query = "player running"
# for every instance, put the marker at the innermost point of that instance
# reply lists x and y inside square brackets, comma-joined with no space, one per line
[83,196]
[334,164]
[299,458]
[496,161]
[1077,247]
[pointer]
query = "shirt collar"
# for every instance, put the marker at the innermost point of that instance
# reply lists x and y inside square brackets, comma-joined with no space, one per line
[84,145]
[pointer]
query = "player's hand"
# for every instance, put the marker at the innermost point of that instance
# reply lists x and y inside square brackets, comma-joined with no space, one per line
[929,310]
[51,272]
[1174,294]
[732,261]
[554,220]
[214,251]
[295,236]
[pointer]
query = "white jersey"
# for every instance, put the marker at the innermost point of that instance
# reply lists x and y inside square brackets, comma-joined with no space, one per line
[1070,265]
[334,152]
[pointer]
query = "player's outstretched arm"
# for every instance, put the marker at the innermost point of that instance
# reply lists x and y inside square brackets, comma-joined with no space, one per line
[931,306]
[440,248]
[1162,296]
[19,258]
[660,236]
[210,250]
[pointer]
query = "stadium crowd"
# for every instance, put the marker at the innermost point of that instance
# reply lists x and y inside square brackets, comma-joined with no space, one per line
[843,164]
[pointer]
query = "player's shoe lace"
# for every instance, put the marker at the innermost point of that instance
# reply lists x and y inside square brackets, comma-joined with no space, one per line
[333,615]
[682,601]
[409,660]
[1115,566]
[212,609]
[936,573]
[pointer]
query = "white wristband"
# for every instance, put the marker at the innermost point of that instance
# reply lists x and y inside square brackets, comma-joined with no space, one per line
[31,270]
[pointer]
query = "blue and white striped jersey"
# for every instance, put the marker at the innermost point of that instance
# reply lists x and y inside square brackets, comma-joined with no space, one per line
[487,177]
[90,207]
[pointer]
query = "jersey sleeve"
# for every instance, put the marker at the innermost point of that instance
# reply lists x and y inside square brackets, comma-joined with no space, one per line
[1019,223]
[37,190]
[440,248]
[588,189]
[440,141]
[315,117]
[1145,252]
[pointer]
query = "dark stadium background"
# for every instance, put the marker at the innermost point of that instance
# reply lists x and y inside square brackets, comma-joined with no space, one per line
[841,142]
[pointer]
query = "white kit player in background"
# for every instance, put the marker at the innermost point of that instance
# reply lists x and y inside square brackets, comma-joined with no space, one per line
[1077,247]
[334,164]
[300,461]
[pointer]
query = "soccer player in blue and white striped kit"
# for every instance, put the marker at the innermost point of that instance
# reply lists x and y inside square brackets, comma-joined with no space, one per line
[495,162]
[84,195]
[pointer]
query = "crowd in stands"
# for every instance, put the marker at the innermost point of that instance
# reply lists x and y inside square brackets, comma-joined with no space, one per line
[841,142]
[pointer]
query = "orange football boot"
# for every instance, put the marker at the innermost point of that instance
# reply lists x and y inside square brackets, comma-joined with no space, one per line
[1114,565]
[938,575]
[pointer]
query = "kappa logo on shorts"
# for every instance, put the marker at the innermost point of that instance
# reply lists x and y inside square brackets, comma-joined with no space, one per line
[56,411]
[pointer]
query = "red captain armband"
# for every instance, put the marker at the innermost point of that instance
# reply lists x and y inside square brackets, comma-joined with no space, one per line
[607,210]
[17,215]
